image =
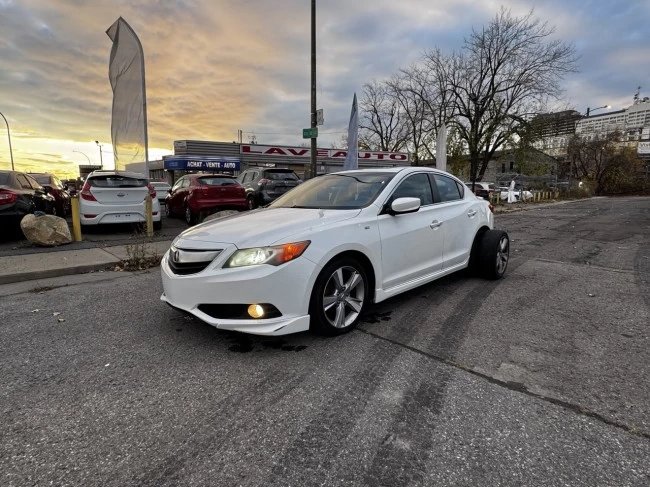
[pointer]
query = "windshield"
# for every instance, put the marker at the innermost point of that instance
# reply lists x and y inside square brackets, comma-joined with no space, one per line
[343,191]
[217,181]
[281,175]
[42,179]
[4,178]
[115,181]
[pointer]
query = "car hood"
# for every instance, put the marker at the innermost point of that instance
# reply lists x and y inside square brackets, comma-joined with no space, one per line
[264,227]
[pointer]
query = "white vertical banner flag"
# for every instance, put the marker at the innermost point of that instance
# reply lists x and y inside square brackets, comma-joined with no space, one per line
[441,148]
[129,118]
[352,158]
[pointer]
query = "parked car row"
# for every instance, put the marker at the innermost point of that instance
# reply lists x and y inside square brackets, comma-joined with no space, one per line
[21,194]
[194,195]
[485,190]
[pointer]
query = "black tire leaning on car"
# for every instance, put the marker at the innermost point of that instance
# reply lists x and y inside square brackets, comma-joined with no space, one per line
[157,226]
[251,202]
[353,291]
[493,254]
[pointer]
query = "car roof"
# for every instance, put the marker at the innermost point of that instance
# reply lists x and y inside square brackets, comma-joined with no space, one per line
[395,170]
[127,174]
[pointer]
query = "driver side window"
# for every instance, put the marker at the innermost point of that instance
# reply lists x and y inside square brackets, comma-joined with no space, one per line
[415,186]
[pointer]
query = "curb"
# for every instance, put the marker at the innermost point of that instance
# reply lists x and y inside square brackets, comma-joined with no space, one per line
[59,272]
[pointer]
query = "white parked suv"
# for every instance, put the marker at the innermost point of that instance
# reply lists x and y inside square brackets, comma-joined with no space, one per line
[117,197]
[318,255]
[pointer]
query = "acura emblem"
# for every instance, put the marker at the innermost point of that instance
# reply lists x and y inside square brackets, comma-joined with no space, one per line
[121,195]
[176,255]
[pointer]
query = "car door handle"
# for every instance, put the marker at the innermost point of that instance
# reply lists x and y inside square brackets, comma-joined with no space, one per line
[471,213]
[435,224]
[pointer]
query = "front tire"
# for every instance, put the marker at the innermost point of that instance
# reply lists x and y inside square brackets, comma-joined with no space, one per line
[339,296]
[190,217]
[494,254]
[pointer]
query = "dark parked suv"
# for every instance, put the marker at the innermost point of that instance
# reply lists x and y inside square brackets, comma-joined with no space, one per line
[20,194]
[263,185]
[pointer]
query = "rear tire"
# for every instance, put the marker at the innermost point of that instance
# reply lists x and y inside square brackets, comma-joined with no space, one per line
[251,203]
[339,297]
[494,254]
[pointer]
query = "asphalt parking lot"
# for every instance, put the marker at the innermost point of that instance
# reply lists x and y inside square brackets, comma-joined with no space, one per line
[542,378]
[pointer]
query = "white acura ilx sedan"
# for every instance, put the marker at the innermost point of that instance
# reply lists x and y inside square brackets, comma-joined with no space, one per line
[317,256]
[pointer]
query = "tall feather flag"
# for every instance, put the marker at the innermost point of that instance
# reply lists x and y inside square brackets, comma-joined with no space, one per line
[352,157]
[129,117]
[441,148]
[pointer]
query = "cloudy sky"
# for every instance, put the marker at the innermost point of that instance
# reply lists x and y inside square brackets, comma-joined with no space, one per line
[216,66]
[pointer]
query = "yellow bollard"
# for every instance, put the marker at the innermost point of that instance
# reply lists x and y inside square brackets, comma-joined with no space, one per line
[76,220]
[148,216]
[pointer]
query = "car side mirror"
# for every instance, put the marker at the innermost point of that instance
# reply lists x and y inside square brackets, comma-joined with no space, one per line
[401,206]
[45,190]
[169,191]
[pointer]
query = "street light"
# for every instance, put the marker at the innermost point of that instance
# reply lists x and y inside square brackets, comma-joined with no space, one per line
[589,110]
[101,158]
[11,152]
[79,152]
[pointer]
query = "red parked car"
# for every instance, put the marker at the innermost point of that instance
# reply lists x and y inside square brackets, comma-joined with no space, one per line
[57,189]
[196,194]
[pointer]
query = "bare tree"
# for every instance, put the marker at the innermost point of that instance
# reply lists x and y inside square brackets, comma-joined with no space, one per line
[504,74]
[382,120]
[603,162]
[407,89]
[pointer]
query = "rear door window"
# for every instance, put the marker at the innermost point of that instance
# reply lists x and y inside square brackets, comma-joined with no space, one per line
[116,181]
[22,181]
[33,183]
[448,190]
[217,181]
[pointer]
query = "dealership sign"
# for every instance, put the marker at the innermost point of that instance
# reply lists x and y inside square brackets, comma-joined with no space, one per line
[643,148]
[304,152]
[201,163]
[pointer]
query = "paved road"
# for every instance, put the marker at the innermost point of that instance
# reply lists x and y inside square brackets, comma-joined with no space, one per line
[540,379]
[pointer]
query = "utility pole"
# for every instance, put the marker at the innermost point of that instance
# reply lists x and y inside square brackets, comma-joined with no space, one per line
[313,87]
[11,152]
[101,157]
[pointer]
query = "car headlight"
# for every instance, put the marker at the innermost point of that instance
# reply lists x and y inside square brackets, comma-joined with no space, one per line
[276,255]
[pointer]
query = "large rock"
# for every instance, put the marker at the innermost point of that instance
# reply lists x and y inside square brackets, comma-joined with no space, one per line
[46,230]
[219,214]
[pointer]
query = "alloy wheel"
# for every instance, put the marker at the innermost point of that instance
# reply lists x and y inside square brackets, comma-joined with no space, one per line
[503,254]
[343,296]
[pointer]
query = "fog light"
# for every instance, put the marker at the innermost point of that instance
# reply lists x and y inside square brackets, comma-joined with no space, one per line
[255,311]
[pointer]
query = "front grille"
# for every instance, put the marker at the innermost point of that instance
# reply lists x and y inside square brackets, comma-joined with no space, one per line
[237,311]
[185,262]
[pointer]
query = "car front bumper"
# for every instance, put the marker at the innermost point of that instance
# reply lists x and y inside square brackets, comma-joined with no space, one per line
[287,287]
